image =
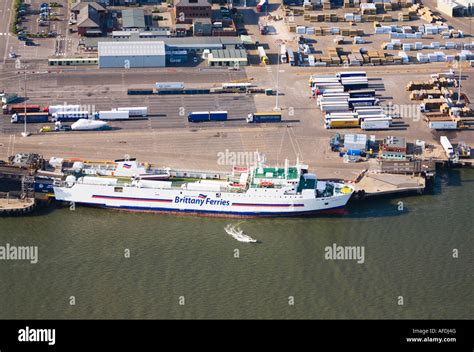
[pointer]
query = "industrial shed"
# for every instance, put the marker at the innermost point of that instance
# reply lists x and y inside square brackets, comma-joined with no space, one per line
[132,54]
[227,57]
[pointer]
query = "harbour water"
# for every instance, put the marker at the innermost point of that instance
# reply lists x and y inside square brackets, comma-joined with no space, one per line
[189,267]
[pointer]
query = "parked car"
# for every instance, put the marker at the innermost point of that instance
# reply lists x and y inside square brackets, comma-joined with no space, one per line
[29,43]
[12,55]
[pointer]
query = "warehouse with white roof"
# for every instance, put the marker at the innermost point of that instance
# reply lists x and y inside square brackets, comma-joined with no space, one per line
[134,54]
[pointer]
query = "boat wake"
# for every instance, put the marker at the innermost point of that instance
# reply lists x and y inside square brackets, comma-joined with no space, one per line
[238,234]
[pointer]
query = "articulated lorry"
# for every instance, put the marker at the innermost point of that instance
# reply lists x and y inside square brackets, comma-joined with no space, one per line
[32,117]
[261,117]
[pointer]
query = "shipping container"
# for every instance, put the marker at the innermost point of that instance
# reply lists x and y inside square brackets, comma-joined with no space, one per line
[32,117]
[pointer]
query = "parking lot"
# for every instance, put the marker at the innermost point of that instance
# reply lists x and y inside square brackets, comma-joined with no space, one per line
[44,32]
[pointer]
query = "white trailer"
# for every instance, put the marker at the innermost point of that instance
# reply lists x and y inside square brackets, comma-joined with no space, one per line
[135,111]
[335,90]
[283,57]
[329,96]
[52,109]
[448,148]
[335,106]
[328,100]
[376,124]
[339,116]
[443,125]
[112,115]
[169,85]
[72,115]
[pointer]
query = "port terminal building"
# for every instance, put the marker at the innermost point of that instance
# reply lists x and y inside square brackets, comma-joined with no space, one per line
[132,54]
[129,50]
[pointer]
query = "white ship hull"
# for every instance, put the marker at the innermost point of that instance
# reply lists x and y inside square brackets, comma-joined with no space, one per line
[251,203]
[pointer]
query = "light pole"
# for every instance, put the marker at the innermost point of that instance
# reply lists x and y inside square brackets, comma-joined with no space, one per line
[25,133]
[277,79]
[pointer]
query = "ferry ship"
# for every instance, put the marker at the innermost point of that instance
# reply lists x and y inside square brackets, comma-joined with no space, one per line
[257,191]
